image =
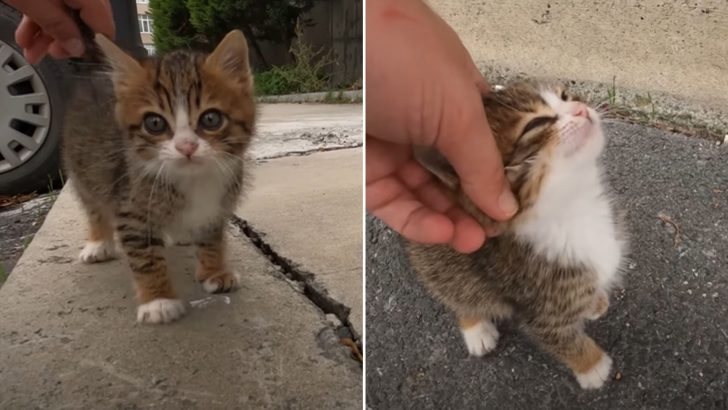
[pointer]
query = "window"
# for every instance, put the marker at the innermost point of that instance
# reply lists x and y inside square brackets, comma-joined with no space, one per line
[151,50]
[145,23]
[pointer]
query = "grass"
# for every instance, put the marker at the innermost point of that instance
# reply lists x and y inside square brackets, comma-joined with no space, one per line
[51,189]
[3,273]
[682,123]
[338,97]
[51,186]
[612,92]
[643,109]
[27,241]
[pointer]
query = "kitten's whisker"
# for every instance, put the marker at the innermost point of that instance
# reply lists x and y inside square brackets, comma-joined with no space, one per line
[225,168]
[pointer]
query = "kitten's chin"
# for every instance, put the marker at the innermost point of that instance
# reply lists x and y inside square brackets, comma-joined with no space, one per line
[585,142]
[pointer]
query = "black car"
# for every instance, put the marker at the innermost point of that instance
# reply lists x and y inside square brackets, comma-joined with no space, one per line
[32,102]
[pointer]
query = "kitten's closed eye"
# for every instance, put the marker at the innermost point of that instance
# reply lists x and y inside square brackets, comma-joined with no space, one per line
[538,122]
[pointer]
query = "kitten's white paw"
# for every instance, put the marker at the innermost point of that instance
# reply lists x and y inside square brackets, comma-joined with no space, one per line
[481,338]
[98,251]
[226,282]
[595,377]
[160,311]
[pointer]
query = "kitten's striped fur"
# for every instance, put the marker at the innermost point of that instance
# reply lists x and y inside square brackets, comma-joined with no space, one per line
[183,181]
[553,264]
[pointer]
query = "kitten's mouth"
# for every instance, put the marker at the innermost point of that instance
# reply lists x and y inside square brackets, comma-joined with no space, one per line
[189,161]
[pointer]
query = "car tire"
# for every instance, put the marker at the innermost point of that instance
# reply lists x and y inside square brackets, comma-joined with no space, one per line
[40,171]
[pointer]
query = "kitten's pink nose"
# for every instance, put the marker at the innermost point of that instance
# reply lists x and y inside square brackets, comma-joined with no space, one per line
[186,148]
[581,110]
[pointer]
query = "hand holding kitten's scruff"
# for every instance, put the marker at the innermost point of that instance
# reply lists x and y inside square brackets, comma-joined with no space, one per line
[48,26]
[424,89]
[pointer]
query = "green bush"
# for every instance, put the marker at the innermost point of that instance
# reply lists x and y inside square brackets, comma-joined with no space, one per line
[306,74]
[272,83]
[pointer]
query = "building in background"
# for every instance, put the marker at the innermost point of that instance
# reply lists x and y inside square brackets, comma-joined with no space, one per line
[146,26]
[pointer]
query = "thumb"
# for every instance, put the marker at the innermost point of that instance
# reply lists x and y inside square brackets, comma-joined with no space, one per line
[467,142]
[480,82]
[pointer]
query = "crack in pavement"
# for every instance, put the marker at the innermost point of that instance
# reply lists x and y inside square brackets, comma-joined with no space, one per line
[312,290]
[303,153]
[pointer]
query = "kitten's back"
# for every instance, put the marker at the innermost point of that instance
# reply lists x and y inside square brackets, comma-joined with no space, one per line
[93,146]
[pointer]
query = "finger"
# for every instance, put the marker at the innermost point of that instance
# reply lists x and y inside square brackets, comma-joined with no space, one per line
[96,14]
[413,174]
[425,186]
[27,31]
[56,22]
[432,195]
[383,191]
[480,82]
[38,49]
[471,149]
[469,236]
[56,51]
[384,158]
[389,200]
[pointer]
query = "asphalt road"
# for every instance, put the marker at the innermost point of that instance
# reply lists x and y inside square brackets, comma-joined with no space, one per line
[667,329]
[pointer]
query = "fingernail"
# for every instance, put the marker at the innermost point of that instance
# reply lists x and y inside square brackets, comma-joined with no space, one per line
[507,202]
[74,47]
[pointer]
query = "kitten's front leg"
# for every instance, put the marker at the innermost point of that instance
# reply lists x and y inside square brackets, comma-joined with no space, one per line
[480,335]
[143,246]
[212,271]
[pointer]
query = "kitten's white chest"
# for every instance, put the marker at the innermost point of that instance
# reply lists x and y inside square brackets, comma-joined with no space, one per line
[573,223]
[202,207]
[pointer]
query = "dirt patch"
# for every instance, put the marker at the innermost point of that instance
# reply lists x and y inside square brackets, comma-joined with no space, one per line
[20,219]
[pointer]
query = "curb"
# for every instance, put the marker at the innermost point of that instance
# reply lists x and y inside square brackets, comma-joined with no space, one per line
[335,97]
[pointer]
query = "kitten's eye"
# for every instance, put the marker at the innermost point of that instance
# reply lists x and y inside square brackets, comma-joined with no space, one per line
[210,120]
[538,122]
[154,124]
[564,96]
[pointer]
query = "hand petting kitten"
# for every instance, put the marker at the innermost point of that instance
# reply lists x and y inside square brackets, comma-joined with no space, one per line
[424,89]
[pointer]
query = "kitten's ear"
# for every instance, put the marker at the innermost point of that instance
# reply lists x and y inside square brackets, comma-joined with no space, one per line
[231,57]
[436,163]
[122,64]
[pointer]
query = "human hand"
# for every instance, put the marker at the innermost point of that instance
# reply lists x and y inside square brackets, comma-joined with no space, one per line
[48,26]
[424,89]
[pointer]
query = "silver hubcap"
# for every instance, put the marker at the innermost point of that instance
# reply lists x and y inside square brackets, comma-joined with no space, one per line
[25,115]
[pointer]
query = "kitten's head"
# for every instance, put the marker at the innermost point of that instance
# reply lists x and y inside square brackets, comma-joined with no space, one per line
[540,130]
[185,111]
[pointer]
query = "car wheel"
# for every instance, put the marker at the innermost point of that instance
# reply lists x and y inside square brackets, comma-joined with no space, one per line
[31,98]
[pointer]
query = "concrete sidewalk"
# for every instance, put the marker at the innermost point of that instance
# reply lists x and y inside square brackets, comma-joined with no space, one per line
[667,329]
[294,128]
[69,339]
[679,48]
[68,334]
[309,209]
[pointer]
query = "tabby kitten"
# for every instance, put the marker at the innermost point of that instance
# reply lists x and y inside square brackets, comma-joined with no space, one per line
[555,262]
[156,151]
